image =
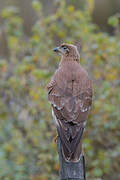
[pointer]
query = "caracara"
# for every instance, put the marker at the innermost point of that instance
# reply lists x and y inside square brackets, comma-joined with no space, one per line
[70,94]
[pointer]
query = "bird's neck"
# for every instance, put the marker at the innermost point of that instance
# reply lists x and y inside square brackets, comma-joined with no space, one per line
[70,58]
[65,59]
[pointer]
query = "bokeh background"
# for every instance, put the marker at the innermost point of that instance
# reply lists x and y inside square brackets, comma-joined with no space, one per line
[29,30]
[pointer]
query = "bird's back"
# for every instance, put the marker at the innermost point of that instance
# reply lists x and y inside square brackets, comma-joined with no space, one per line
[72,76]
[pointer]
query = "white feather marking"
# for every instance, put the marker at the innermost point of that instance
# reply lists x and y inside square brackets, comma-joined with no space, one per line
[54,105]
[59,108]
[84,124]
[81,107]
[87,98]
[54,118]
[84,110]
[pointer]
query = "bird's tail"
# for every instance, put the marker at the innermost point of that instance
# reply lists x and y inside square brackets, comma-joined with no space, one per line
[71,147]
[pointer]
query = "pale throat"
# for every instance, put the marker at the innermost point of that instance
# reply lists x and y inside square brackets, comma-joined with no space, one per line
[71,57]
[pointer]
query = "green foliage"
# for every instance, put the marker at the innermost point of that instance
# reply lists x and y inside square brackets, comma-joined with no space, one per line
[114,20]
[28,150]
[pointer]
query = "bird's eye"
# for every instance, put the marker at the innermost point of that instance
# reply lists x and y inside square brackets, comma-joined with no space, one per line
[64,47]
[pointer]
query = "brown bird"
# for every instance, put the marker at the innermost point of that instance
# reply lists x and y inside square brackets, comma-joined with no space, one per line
[70,94]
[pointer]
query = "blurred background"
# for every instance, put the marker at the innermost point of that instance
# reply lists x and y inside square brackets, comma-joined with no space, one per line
[29,30]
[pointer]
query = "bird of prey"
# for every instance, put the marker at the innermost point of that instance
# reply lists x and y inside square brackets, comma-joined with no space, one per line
[70,94]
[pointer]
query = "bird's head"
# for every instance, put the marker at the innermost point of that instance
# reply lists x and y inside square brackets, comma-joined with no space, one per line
[68,51]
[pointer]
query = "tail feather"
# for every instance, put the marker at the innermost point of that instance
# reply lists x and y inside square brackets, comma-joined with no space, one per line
[71,148]
[76,140]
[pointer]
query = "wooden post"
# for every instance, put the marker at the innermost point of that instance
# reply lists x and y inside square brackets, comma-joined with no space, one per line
[70,170]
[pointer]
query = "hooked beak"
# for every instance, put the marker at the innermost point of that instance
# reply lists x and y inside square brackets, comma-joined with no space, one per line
[57,49]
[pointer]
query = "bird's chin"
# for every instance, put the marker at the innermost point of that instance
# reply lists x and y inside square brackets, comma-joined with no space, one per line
[59,54]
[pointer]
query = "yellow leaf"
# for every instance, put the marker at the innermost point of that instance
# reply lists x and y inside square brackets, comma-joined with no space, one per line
[8,148]
[61,34]
[71,8]
[90,4]
[112,75]
[35,58]
[20,160]
[97,74]
[56,166]
[36,37]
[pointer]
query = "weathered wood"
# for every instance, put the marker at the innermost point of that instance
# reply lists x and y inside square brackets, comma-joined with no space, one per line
[70,170]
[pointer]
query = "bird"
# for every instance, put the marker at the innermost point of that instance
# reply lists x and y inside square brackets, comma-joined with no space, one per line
[70,94]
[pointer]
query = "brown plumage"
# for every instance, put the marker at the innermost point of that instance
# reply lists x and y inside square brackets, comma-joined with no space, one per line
[70,94]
